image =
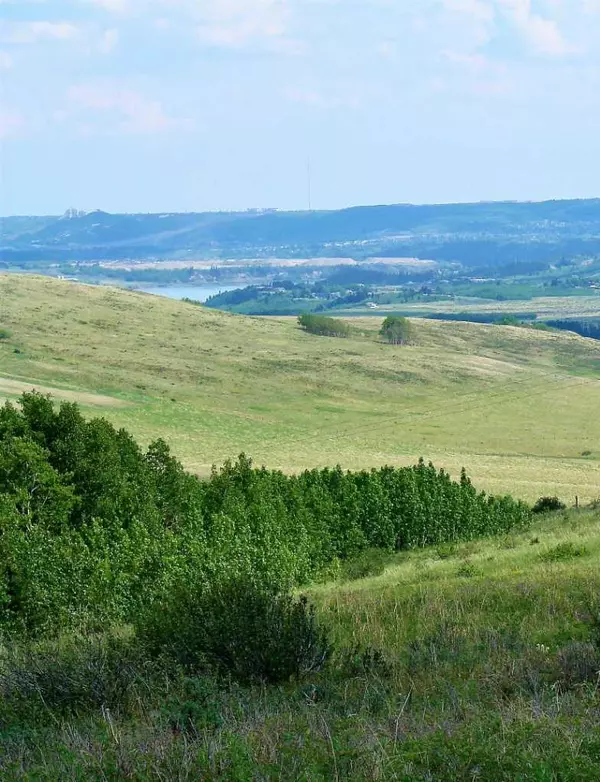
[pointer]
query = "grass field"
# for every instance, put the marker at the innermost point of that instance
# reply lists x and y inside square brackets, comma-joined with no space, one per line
[575,306]
[469,662]
[516,407]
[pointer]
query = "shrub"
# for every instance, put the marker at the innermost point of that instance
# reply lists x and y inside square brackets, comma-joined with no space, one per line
[563,551]
[396,330]
[240,630]
[548,504]
[5,334]
[370,562]
[468,570]
[446,551]
[324,326]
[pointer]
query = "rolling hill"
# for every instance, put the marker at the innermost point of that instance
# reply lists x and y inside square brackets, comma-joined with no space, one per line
[515,406]
[482,234]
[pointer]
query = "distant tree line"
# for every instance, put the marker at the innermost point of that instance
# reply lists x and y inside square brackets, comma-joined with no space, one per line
[585,328]
[512,318]
[95,530]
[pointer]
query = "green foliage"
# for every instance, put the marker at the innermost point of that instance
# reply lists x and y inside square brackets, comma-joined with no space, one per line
[5,334]
[563,552]
[238,629]
[396,330]
[81,675]
[93,530]
[548,504]
[370,562]
[323,326]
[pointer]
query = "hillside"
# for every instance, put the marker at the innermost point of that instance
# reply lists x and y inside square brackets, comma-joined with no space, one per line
[516,407]
[482,234]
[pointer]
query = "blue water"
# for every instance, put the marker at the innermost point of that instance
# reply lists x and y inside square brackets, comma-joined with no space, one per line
[195,292]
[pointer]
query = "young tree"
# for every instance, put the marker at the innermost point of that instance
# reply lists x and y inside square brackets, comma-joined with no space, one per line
[396,330]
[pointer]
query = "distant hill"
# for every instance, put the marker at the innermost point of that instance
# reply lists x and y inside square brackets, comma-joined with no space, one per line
[481,234]
[517,407]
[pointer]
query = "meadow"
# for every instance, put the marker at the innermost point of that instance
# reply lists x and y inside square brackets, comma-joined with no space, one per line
[515,407]
[474,661]
[477,658]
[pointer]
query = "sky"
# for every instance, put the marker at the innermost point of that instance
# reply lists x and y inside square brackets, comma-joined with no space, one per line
[193,105]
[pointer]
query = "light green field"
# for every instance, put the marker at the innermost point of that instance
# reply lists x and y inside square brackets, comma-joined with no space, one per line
[544,306]
[518,408]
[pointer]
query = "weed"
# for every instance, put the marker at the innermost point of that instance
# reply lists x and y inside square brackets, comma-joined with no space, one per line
[468,570]
[563,552]
[369,563]
[578,662]
[446,551]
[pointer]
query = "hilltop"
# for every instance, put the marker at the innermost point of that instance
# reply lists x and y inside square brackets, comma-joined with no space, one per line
[516,407]
[481,234]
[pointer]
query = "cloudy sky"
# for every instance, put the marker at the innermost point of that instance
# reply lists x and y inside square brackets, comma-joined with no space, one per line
[156,105]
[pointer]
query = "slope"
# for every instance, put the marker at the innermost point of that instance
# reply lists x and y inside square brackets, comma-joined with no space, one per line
[516,407]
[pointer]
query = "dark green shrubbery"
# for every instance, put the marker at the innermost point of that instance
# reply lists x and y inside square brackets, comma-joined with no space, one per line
[548,504]
[324,326]
[370,562]
[93,530]
[85,674]
[396,330]
[238,629]
[562,552]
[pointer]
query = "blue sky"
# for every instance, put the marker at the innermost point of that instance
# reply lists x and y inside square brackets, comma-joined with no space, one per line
[188,105]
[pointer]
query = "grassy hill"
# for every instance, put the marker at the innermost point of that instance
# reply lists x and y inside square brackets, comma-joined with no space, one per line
[461,663]
[516,407]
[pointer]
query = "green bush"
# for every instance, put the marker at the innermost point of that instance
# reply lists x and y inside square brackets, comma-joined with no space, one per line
[93,530]
[548,504]
[563,551]
[5,334]
[371,562]
[324,326]
[396,330]
[240,630]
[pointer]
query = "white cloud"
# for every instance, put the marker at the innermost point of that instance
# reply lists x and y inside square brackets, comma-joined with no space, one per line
[236,22]
[33,32]
[543,35]
[108,41]
[122,109]
[591,6]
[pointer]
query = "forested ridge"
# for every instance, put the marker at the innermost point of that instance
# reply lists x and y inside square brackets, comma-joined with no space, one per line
[94,529]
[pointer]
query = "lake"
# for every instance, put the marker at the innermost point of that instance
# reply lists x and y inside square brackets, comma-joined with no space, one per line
[195,292]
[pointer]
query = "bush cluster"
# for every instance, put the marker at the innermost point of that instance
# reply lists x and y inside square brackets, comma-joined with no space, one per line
[247,632]
[548,504]
[324,326]
[93,530]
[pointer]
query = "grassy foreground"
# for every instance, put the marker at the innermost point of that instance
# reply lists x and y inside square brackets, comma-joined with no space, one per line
[473,662]
[516,407]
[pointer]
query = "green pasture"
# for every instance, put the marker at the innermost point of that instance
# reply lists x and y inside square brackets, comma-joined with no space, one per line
[516,407]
